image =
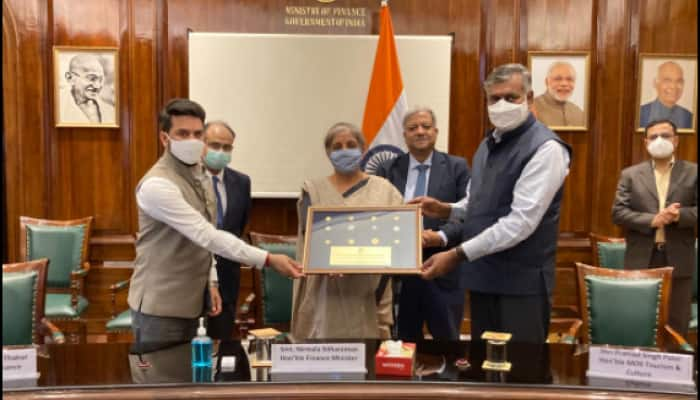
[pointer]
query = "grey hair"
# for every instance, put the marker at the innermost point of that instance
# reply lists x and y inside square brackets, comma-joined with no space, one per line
[417,110]
[503,73]
[343,127]
[561,64]
[220,123]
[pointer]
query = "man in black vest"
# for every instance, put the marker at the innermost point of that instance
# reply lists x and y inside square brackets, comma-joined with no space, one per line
[508,238]
[232,191]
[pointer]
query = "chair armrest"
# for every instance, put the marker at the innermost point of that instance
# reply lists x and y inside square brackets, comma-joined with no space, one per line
[121,285]
[76,283]
[678,339]
[80,273]
[572,333]
[245,307]
[51,329]
[114,288]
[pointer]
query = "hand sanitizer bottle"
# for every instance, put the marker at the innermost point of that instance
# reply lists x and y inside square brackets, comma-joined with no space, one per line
[201,355]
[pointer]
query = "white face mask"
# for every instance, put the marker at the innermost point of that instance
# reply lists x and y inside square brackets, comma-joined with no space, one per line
[506,116]
[188,151]
[660,148]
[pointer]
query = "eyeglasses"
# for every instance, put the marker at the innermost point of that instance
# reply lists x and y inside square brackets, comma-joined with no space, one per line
[664,135]
[92,78]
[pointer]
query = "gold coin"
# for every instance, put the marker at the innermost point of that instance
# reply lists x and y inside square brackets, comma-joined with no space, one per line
[351,227]
[328,228]
[351,241]
[396,229]
[396,217]
[328,218]
[351,218]
[327,241]
[374,218]
[396,241]
[375,241]
[374,227]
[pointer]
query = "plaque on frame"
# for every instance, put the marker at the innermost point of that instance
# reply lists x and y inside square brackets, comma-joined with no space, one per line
[363,240]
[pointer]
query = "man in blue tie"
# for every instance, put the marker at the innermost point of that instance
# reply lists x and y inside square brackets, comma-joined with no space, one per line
[232,190]
[426,171]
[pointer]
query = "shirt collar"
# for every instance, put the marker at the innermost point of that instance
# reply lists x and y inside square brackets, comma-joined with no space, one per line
[412,162]
[670,165]
[220,175]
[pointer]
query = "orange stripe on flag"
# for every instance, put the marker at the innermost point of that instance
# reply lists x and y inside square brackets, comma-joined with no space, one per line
[386,85]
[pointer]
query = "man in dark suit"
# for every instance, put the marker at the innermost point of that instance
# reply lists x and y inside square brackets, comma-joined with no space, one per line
[232,190]
[424,170]
[656,203]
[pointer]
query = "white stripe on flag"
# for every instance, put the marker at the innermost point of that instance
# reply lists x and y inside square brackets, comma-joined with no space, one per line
[392,130]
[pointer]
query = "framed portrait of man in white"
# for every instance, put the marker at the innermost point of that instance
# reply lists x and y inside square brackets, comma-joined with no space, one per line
[560,83]
[667,90]
[86,90]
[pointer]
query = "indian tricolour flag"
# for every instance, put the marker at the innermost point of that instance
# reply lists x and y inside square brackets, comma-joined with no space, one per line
[386,100]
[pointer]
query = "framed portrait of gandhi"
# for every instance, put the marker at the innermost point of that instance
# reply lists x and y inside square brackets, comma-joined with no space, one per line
[363,240]
[667,90]
[86,89]
[560,84]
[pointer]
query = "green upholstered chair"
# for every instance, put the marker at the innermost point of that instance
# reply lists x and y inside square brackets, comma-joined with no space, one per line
[694,304]
[23,296]
[626,307]
[118,327]
[65,244]
[608,252]
[276,289]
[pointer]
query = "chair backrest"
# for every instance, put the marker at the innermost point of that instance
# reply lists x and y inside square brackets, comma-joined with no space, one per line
[23,296]
[624,307]
[276,289]
[612,252]
[64,242]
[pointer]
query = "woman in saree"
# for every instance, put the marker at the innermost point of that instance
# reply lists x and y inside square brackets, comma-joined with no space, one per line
[342,306]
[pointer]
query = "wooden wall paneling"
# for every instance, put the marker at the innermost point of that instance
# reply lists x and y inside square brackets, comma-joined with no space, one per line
[25,67]
[667,27]
[610,130]
[87,164]
[545,31]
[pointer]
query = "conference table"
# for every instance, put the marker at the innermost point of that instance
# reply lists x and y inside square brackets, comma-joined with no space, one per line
[113,371]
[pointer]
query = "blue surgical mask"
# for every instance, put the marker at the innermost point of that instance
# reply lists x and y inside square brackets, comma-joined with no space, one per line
[347,160]
[217,159]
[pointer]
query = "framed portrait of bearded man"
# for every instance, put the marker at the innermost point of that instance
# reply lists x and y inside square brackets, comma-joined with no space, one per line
[560,84]
[86,90]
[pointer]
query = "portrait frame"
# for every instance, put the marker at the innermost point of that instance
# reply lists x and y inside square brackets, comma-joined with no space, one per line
[538,62]
[330,236]
[67,84]
[647,92]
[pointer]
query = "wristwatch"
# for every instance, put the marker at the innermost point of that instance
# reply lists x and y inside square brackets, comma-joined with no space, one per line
[460,253]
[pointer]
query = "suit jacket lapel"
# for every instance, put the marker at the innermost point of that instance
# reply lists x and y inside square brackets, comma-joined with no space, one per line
[437,173]
[402,172]
[648,180]
[676,176]
[231,187]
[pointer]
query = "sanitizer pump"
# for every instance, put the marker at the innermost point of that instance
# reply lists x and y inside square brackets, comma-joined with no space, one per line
[201,355]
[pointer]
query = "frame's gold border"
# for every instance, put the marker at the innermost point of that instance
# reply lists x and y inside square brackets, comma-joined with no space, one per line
[369,270]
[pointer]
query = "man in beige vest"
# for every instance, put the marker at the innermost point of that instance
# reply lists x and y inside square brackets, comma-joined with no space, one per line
[176,238]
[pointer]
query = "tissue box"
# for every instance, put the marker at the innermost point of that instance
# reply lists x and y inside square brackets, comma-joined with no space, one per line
[395,365]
